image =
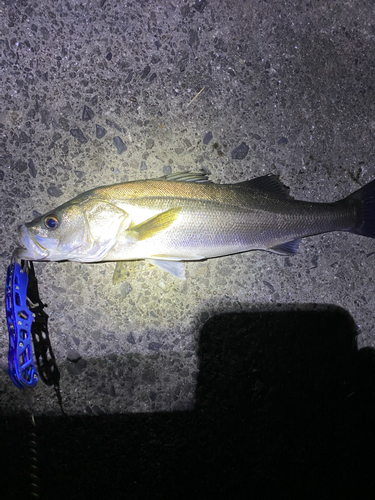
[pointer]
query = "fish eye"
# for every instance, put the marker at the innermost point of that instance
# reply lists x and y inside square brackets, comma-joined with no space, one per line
[51,221]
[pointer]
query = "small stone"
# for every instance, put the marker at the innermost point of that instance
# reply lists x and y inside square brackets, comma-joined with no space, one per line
[130,338]
[112,391]
[143,165]
[282,140]
[45,118]
[207,138]
[120,145]
[97,410]
[78,134]
[100,132]
[81,363]
[32,168]
[154,346]
[269,286]
[6,161]
[20,166]
[240,152]
[64,124]
[129,78]
[56,136]
[45,33]
[72,368]
[204,316]
[87,114]
[162,285]
[114,125]
[1,175]
[76,340]
[167,170]
[202,270]
[150,143]
[24,138]
[73,356]
[54,191]
[200,5]
[125,289]
[146,70]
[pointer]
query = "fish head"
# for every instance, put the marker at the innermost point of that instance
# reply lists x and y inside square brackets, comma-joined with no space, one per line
[81,230]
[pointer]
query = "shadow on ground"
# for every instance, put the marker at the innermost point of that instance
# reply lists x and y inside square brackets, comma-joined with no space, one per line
[285,408]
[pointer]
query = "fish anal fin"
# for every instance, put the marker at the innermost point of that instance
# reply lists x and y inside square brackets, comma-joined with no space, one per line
[287,248]
[173,267]
[155,224]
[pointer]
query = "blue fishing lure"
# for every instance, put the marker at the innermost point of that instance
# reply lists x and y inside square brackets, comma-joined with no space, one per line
[22,369]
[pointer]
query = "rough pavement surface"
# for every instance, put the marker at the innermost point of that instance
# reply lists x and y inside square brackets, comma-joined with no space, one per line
[99,92]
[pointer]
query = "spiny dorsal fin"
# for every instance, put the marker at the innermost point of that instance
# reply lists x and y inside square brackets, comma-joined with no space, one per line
[197,177]
[154,225]
[268,184]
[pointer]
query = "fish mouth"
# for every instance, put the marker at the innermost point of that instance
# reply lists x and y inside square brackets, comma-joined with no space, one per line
[28,248]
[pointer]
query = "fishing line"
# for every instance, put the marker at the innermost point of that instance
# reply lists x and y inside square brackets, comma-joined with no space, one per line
[33,451]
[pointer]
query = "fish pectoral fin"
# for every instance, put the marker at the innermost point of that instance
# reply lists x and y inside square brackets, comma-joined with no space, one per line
[154,225]
[287,248]
[173,267]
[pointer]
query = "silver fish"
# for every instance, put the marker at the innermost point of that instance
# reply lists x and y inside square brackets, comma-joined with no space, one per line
[185,217]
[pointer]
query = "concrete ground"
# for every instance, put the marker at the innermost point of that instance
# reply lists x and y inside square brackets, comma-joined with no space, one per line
[293,81]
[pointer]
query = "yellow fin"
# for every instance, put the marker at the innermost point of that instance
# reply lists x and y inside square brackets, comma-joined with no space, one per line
[155,224]
[126,269]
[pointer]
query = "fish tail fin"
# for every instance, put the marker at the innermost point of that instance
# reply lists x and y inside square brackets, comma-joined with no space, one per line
[364,199]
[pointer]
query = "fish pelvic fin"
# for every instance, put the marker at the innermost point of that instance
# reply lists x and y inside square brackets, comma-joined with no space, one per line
[364,200]
[154,225]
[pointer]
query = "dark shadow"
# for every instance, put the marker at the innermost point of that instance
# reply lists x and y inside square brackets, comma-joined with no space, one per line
[285,408]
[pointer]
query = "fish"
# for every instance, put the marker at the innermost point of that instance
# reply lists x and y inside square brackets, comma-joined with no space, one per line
[186,217]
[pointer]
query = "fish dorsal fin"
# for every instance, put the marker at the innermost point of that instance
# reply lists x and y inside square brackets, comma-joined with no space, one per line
[270,184]
[197,177]
[154,225]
